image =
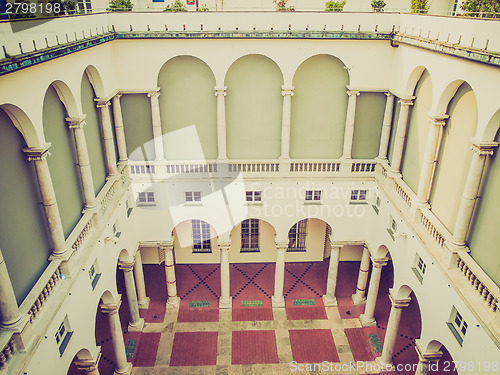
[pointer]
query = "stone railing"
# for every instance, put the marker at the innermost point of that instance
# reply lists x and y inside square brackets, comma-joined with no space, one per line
[253,167]
[314,167]
[477,278]
[81,232]
[433,226]
[400,187]
[191,168]
[363,166]
[9,348]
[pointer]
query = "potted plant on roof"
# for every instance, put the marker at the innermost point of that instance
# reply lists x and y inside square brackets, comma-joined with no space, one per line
[281,6]
[378,5]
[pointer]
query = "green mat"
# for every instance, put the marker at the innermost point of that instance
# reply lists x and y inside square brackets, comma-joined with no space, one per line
[375,341]
[199,304]
[303,302]
[252,303]
[130,348]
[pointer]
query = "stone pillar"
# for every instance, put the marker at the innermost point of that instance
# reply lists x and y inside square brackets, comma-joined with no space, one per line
[156,118]
[172,300]
[392,329]
[136,323]
[119,130]
[220,93]
[279,276]
[89,365]
[329,299]
[471,189]
[107,136]
[385,135]
[82,154]
[49,203]
[142,298]
[9,310]
[349,123]
[359,298]
[367,319]
[425,360]
[287,93]
[430,157]
[122,366]
[225,301]
[400,138]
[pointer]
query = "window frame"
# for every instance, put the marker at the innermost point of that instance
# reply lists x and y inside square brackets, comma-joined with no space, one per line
[313,196]
[253,197]
[359,196]
[146,198]
[192,197]
[62,338]
[458,326]
[297,237]
[201,242]
[250,235]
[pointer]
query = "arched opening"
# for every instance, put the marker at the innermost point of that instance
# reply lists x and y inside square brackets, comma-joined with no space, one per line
[443,363]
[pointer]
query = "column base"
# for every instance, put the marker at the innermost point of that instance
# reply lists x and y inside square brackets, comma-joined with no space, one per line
[358,300]
[329,302]
[284,158]
[278,302]
[173,302]
[136,327]
[222,158]
[127,371]
[226,304]
[144,304]
[367,322]
[386,367]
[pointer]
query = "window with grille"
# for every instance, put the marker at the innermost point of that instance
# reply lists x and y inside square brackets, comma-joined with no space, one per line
[254,196]
[313,196]
[201,236]
[94,274]
[457,325]
[297,236]
[358,196]
[146,198]
[419,268]
[250,235]
[63,335]
[192,196]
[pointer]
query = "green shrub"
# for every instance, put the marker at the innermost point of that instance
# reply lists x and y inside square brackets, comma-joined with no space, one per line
[335,6]
[419,6]
[120,5]
[203,8]
[481,8]
[176,6]
[378,5]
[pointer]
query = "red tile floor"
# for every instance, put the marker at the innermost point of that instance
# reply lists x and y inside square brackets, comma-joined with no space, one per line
[256,339]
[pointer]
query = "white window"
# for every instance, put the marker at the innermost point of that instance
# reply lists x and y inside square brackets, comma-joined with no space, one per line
[128,208]
[201,236]
[254,196]
[250,235]
[358,195]
[419,268]
[116,230]
[94,274]
[193,196]
[313,196]
[457,325]
[146,198]
[376,206]
[393,227]
[297,236]
[63,335]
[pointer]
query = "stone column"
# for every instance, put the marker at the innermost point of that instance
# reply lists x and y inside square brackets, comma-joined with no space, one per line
[471,189]
[359,298]
[172,300]
[385,135]
[107,136]
[143,299]
[225,301]
[349,123]
[122,366]
[425,360]
[329,299]
[287,93]
[49,203]
[400,138]
[367,319]
[82,154]
[89,365]
[157,132]
[279,276]
[220,93]
[9,310]
[430,157]
[119,130]
[392,329]
[136,323]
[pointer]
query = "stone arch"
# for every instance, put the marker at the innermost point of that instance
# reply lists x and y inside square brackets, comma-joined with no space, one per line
[312,235]
[107,297]
[254,101]
[95,79]
[66,97]
[185,82]
[82,356]
[492,127]
[266,242]
[412,81]
[433,346]
[447,95]
[319,108]
[404,291]
[23,123]
[125,256]
[183,238]
[381,252]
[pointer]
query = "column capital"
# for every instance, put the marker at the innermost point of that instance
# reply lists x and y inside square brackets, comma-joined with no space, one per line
[37,153]
[426,357]
[389,94]
[126,265]
[379,263]
[287,90]
[89,364]
[281,246]
[76,122]
[154,92]
[117,96]
[438,120]
[351,92]
[335,247]
[224,246]
[166,247]
[110,308]
[408,101]
[102,103]
[398,302]
[483,147]
[220,90]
